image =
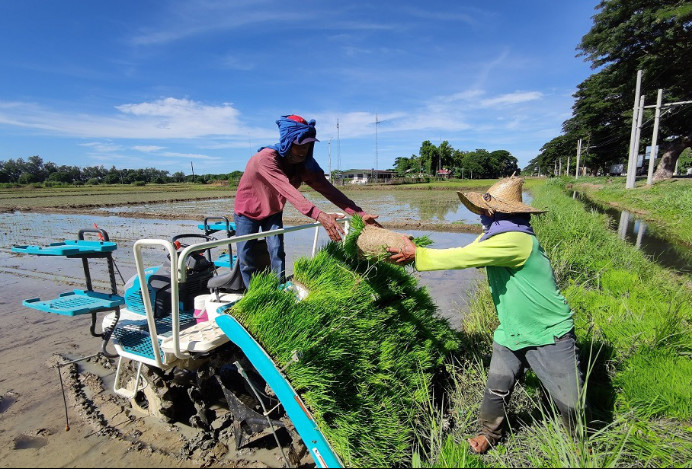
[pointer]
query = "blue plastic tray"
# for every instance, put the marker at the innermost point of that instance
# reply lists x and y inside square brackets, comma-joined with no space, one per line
[67,248]
[218,226]
[76,302]
[224,260]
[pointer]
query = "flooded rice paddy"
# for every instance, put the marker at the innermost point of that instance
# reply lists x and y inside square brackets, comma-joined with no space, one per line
[449,289]
[423,206]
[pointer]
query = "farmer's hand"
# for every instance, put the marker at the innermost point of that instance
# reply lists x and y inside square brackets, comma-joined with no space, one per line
[405,254]
[329,223]
[370,219]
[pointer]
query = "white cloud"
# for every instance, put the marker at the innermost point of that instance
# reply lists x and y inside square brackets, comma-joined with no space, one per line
[147,148]
[101,146]
[512,98]
[166,118]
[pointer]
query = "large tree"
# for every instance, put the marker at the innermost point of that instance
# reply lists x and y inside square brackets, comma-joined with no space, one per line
[630,35]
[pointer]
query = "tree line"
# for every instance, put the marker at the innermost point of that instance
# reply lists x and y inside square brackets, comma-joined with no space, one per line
[654,36]
[460,164]
[34,170]
[478,164]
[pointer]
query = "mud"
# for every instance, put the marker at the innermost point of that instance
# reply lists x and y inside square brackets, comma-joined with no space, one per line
[104,429]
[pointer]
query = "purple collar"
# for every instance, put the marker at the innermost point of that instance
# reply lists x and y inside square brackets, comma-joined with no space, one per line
[505,222]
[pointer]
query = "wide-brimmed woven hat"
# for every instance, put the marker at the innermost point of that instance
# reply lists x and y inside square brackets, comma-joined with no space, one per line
[504,196]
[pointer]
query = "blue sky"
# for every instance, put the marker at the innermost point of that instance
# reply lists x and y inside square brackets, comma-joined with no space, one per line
[161,84]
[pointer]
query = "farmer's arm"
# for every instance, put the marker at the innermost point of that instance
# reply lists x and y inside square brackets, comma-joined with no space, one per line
[503,250]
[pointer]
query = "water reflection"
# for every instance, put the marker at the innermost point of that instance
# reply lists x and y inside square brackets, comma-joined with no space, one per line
[636,232]
[431,206]
[449,289]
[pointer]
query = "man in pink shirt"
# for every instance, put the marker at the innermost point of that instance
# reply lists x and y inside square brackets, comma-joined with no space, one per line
[272,177]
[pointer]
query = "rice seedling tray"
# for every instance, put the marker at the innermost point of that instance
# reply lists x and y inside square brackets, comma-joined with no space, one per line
[67,248]
[76,302]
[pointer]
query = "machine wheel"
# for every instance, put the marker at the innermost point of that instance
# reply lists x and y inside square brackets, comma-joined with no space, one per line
[154,396]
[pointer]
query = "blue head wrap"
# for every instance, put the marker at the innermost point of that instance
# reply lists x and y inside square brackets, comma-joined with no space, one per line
[289,131]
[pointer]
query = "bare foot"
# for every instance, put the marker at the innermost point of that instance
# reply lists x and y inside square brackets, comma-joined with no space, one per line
[479,444]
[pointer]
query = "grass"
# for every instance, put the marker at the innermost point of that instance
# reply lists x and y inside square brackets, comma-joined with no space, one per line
[633,323]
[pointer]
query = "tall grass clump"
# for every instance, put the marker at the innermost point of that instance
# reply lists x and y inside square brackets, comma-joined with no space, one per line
[370,348]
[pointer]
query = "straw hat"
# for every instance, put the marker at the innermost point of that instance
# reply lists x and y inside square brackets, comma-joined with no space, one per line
[504,196]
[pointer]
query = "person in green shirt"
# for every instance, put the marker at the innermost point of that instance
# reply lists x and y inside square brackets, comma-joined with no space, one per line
[536,328]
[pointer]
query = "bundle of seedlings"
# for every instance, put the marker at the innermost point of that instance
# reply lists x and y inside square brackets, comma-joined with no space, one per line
[371,349]
[371,242]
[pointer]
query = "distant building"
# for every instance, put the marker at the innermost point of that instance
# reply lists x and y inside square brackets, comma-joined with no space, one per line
[444,173]
[616,169]
[364,176]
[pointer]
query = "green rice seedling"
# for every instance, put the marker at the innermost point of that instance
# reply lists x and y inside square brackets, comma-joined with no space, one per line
[370,347]
[356,227]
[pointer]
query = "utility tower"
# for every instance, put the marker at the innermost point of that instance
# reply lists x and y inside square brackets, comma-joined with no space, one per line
[338,147]
[377,123]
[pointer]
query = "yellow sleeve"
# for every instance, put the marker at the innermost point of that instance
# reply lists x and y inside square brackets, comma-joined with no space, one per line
[509,249]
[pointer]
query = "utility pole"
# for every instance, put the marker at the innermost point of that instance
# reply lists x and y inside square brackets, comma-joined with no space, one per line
[338,146]
[576,171]
[569,160]
[330,159]
[637,137]
[632,160]
[654,139]
[377,123]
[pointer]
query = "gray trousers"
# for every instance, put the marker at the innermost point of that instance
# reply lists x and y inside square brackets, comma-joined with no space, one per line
[556,365]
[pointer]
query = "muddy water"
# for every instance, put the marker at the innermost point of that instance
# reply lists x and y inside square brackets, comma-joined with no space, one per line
[32,416]
[449,289]
[429,206]
[637,232]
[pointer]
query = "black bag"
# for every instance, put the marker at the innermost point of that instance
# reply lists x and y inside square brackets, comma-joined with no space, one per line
[199,271]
